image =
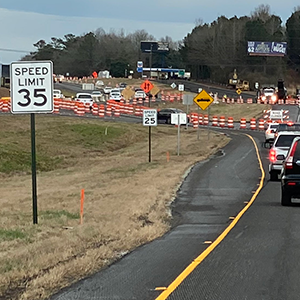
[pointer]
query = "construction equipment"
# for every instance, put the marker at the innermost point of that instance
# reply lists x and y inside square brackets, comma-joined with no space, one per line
[236,83]
[5,76]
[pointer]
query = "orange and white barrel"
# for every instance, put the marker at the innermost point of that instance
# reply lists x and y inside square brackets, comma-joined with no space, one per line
[230,122]
[215,121]
[200,119]
[205,120]
[261,124]
[222,121]
[101,110]
[95,109]
[253,124]
[243,123]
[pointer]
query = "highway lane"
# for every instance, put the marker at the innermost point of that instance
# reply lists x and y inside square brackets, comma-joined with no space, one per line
[213,191]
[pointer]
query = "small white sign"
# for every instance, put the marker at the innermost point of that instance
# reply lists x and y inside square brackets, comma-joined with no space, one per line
[200,90]
[181,118]
[150,117]
[276,114]
[181,87]
[173,85]
[31,87]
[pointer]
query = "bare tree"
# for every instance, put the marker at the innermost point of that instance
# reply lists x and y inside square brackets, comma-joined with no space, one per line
[262,12]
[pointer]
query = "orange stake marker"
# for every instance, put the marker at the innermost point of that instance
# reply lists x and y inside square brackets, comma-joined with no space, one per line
[168,156]
[81,206]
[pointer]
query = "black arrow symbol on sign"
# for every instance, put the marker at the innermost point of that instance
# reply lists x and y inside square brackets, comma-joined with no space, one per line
[203,100]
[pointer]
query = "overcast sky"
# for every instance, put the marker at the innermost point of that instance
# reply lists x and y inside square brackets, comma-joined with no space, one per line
[23,23]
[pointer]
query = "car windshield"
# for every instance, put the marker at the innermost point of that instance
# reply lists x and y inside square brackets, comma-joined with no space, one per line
[285,140]
[84,96]
[289,127]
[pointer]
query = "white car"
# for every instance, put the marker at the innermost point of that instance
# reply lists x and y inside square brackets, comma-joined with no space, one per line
[84,98]
[140,94]
[99,84]
[270,132]
[117,96]
[107,89]
[97,96]
[57,94]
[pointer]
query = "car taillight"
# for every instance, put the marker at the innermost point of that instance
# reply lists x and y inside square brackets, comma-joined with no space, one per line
[272,155]
[269,131]
[289,160]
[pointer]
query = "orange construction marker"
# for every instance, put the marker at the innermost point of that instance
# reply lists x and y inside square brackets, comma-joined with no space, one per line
[81,206]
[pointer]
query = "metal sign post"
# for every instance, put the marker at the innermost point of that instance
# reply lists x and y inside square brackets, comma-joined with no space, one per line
[150,119]
[32,92]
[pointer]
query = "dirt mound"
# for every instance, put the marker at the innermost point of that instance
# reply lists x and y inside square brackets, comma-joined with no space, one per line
[4,92]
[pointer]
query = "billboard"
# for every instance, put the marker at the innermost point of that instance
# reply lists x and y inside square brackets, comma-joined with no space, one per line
[154,46]
[267,48]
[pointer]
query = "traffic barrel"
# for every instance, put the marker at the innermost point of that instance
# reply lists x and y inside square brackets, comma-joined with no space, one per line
[95,109]
[200,119]
[253,124]
[108,110]
[101,110]
[261,124]
[195,122]
[215,121]
[230,122]
[205,120]
[56,106]
[222,121]
[117,112]
[243,123]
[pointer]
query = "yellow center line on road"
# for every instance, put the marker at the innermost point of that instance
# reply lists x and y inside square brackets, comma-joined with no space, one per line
[189,269]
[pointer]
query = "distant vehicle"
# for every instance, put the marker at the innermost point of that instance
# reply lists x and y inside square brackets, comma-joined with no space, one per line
[57,94]
[107,89]
[116,95]
[268,94]
[279,151]
[122,85]
[99,84]
[84,98]
[140,94]
[97,96]
[290,174]
[58,78]
[164,115]
[270,132]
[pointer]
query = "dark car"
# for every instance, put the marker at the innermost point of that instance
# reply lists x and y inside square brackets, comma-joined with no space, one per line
[164,115]
[290,174]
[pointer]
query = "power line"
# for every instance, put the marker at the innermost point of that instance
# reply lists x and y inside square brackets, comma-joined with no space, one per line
[14,50]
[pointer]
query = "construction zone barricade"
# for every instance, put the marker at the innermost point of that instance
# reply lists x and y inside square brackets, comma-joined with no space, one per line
[95,109]
[200,119]
[205,120]
[56,105]
[253,124]
[195,120]
[261,124]
[243,123]
[101,111]
[215,121]
[230,122]
[222,121]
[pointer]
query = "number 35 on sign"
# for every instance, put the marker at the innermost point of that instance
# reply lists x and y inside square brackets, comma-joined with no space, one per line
[150,117]
[31,87]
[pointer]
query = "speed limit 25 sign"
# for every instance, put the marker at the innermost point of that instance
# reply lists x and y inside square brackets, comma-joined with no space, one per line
[150,117]
[31,87]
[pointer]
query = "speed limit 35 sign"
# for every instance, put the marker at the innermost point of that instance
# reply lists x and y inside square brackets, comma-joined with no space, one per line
[31,87]
[150,117]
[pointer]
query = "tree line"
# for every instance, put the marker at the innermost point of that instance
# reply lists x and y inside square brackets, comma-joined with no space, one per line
[210,52]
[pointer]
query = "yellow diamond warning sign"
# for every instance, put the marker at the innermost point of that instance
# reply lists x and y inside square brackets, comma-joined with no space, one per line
[203,100]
